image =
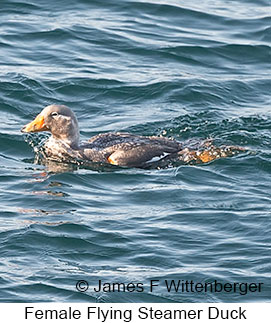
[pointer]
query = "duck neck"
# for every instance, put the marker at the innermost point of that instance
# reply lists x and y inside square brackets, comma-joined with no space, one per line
[70,142]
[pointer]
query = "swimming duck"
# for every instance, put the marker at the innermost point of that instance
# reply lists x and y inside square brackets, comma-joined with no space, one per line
[122,149]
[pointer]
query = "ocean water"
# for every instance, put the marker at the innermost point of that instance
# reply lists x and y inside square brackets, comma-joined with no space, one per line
[182,69]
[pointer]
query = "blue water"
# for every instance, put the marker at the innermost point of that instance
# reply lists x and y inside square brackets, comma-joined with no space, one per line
[181,69]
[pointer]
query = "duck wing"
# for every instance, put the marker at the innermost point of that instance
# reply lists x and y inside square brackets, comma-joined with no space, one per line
[124,149]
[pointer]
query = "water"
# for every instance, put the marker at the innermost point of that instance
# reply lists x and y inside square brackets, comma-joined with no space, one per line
[183,69]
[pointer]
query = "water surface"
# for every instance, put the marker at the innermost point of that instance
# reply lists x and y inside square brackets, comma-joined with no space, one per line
[189,69]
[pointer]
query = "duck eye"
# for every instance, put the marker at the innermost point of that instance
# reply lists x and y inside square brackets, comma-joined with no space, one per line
[54,114]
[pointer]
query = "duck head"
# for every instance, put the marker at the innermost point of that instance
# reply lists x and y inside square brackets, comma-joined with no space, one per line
[59,120]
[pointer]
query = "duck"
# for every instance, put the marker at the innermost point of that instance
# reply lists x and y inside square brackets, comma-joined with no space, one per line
[115,148]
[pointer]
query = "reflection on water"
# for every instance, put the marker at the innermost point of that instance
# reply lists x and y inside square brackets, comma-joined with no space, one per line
[52,193]
[52,167]
[39,212]
[42,216]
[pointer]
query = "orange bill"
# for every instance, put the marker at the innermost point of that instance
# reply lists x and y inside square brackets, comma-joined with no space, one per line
[36,125]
